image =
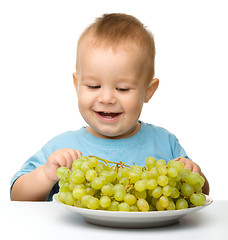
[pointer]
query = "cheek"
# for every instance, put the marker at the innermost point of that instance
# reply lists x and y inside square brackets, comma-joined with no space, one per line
[134,104]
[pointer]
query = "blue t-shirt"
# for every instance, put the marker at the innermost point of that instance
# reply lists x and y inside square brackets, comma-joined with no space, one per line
[151,141]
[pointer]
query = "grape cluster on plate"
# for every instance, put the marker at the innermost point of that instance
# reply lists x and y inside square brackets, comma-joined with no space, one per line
[92,183]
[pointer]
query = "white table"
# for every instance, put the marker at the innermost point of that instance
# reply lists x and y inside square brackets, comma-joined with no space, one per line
[48,220]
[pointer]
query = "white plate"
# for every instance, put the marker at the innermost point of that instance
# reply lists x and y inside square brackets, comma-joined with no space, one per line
[132,219]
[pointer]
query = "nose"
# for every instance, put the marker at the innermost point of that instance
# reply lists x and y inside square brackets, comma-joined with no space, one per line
[107,96]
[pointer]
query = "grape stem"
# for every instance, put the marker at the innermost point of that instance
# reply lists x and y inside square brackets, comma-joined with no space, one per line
[108,161]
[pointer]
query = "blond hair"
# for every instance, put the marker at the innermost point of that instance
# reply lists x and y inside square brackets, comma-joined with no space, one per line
[117,28]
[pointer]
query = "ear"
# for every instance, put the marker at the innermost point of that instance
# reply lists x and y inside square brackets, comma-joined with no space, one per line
[75,79]
[152,87]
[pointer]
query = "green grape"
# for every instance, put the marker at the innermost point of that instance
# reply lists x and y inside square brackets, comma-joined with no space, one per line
[167,190]
[175,193]
[162,180]
[85,199]
[97,183]
[107,190]
[62,172]
[198,199]
[79,204]
[124,181]
[142,194]
[154,172]
[143,205]
[119,194]
[118,186]
[64,187]
[113,206]
[85,167]
[146,175]
[130,199]
[61,197]
[77,176]
[133,176]
[149,192]
[90,174]
[150,162]
[105,201]
[172,172]
[157,192]
[137,168]
[187,189]
[61,182]
[154,201]
[181,204]
[71,186]
[93,162]
[151,184]
[171,206]
[93,203]
[152,207]
[178,177]
[161,162]
[101,167]
[184,173]
[69,199]
[134,208]
[104,180]
[90,191]
[141,185]
[124,172]
[176,164]
[124,207]
[119,176]
[106,175]
[202,181]
[83,158]
[164,201]
[78,193]
[178,185]
[162,170]
[192,178]
[112,176]
[172,182]
[79,186]
[197,188]
[77,165]
[159,206]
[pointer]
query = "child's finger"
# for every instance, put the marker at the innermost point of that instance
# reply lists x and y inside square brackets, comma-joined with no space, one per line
[79,153]
[196,168]
[74,154]
[68,157]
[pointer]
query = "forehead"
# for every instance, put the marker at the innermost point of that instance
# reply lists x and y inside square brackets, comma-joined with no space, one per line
[90,45]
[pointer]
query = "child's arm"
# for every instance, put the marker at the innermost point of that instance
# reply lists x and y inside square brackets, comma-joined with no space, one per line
[36,185]
[195,168]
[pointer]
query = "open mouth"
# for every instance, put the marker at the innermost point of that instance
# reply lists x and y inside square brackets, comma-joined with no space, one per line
[108,115]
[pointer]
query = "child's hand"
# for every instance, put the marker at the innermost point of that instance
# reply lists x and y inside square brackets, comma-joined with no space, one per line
[190,164]
[61,158]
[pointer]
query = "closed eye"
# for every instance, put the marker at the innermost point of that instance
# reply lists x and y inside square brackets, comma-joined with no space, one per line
[123,89]
[94,87]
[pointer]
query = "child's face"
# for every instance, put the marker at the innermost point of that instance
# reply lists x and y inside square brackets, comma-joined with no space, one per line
[111,88]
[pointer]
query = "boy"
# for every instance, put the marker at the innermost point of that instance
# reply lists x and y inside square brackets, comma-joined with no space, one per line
[114,78]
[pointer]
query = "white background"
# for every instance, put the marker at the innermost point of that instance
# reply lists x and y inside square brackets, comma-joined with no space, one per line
[37,58]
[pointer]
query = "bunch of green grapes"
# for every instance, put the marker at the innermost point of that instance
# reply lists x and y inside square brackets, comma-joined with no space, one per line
[157,187]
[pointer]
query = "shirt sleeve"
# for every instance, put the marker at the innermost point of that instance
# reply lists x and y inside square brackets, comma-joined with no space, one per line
[178,150]
[32,163]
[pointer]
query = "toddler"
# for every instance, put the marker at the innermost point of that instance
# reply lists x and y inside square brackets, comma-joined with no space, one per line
[114,77]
